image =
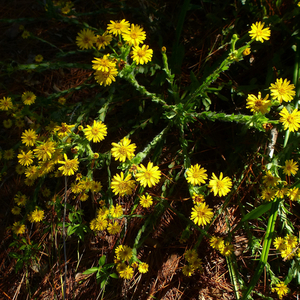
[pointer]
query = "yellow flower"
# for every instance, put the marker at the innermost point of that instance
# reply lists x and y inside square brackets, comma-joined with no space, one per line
[121,186]
[85,39]
[127,273]
[259,33]
[70,166]
[45,150]
[63,130]
[16,210]
[190,255]
[270,180]
[196,175]
[106,78]
[268,194]
[28,98]
[62,100]
[6,103]
[134,35]
[39,58]
[290,120]
[220,185]
[217,243]
[123,252]
[118,27]
[141,55]
[20,169]
[148,176]
[281,289]
[123,150]
[188,270]
[114,228]
[282,91]
[20,199]
[278,243]
[146,201]
[9,154]
[103,40]
[25,34]
[102,213]
[96,186]
[201,214]
[227,249]
[116,211]
[36,216]
[143,267]
[290,168]
[247,51]
[197,199]
[96,132]
[104,64]
[29,137]
[18,228]
[7,123]
[257,104]
[25,159]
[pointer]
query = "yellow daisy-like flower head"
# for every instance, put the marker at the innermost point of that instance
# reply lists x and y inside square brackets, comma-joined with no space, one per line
[70,166]
[188,270]
[114,228]
[257,104]
[198,198]
[220,185]
[103,64]
[103,40]
[294,194]
[123,150]
[85,39]
[45,150]
[39,58]
[118,27]
[6,103]
[123,252]
[268,194]
[259,33]
[106,78]
[146,201]
[149,176]
[121,186]
[36,216]
[96,132]
[20,199]
[227,249]
[196,175]
[25,159]
[217,243]
[190,255]
[290,168]
[18,228]
[16,210]
[201,214]
[290,121]
[9,154]
[270,180]
[141,55]
[28,98]
[281,289]
[135,35]
[127,273]
[116,211]
[282,90]
[278,243]
[143,267]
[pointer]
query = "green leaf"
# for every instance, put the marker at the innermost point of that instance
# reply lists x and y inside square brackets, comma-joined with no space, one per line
[91,270]
[114,275]
[257,212]
[102,260]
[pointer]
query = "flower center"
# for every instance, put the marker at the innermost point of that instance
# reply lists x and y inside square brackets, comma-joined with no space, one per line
[141,53]
[122,150]
[133,35]
[118,26]
[258,103]
[147,175]
[95,131]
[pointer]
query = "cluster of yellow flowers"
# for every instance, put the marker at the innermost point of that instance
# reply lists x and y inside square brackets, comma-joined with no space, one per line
[107,67]
[287,246]
[194,263]
[125,263]
[218,243]
[281,289]
[196,175]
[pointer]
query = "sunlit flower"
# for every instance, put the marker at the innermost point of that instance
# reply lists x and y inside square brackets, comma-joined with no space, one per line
[290,120]
[198,198]
[270,180]
[29,137]
[134,35]
[116,211]
[196,175]
[201,214]
[106,78]
[220,185]
[96,186]
[45,150]
[36,216]
[281,289]
[217,242]
[121,186]
[247,51]
[227,249]
[102,213]
[85,39]
[63,130]
[123,150]
[18,228]
[278,243]
[141,55]
[123,252]
[290,168]
[268,194]
[118,27]
[146,201]
[127,273]
[69,167]
[188,270]
[103,40]
[149,176]
[257,104]
[281,192]
[143,267]
[28,98]
[259,33]
[96,132]
[6,103]
[114,228]
[104,64]
[282,90]
[25,159]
